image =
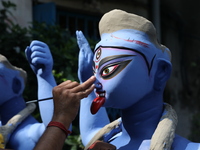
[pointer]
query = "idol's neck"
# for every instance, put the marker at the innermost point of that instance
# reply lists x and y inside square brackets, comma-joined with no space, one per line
[141,119]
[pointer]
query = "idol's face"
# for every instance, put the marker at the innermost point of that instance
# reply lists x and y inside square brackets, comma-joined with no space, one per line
[123,75]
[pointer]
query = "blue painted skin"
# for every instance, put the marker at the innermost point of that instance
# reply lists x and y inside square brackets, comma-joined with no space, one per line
[41,61]
[141,109]
[12,84]
[136,89]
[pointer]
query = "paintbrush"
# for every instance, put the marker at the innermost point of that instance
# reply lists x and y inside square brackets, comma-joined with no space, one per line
[38,100]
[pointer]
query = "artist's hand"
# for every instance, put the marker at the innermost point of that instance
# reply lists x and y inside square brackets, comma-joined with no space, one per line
[67,98]
[85,57]
[40,58]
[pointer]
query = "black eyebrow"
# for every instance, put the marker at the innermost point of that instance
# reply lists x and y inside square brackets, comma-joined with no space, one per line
[112,58]
[149,66]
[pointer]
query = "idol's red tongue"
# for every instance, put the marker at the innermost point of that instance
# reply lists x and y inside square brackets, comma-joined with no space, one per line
[96,104]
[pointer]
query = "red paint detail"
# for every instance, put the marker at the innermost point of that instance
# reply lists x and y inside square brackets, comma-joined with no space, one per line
[135,41]
[96,104]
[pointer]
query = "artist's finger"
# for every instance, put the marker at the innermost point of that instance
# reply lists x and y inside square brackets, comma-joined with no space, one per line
[85,85]
[89,90]
[83,94]
[71,85]
[64,83]
[68,84]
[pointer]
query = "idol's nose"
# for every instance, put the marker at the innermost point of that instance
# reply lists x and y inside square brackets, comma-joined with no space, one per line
[98,85]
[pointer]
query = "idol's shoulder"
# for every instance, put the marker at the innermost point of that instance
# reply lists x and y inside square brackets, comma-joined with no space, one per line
[181,143]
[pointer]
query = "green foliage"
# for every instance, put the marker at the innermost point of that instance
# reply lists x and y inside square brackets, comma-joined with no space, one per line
[74,142]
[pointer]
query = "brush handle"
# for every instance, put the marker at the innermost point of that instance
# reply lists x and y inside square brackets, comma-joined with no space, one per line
[38,100]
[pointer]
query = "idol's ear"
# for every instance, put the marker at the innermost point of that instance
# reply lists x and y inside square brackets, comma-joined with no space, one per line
[162,74]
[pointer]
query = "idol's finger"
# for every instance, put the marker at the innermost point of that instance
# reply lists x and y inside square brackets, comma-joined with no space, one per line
[37,43]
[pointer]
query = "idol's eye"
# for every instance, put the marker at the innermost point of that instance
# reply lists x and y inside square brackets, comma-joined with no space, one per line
[107,71]
[112,70]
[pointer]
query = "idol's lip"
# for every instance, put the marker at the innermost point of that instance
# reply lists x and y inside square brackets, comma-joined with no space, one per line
[100,93]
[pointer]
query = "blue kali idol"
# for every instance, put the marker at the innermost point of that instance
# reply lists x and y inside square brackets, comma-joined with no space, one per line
[20,130]
[131,69]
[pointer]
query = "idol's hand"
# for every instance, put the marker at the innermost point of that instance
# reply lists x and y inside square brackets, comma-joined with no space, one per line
[40,58]
[85,58]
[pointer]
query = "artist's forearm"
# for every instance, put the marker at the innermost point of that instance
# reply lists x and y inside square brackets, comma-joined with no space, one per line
[52,139]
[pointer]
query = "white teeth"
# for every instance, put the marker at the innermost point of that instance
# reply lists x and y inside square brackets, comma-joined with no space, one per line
[102,94]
